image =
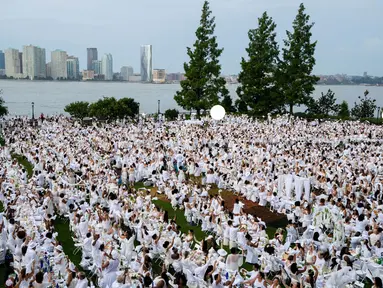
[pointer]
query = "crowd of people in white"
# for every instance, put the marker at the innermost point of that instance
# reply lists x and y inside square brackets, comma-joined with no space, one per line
[327,178]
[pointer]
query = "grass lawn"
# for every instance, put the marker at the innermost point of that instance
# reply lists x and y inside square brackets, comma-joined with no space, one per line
[25,163]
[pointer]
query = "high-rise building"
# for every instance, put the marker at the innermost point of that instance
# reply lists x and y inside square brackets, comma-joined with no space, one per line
[2,60]
[49,69]
[97,67]
[21,62]
[92,55]
[12,63]
[59,66]
[107,66]
[34,62]
[159,76]
[126,71]
[2,63]
[146,63]
[73,67]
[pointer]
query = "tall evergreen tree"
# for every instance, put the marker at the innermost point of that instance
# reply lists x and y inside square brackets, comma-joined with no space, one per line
[258,89]
[3,108]
[203,86]
[295,73]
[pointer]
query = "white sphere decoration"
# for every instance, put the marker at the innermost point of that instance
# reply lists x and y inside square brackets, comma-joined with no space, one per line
[217,112]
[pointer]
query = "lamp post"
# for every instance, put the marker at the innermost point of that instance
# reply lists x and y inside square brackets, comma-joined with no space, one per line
[378,115]
[158,106]
[33,110]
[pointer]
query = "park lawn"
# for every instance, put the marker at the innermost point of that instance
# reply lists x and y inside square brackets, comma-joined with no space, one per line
[25,163]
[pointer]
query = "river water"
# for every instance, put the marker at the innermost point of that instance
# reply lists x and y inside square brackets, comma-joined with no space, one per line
[51,97]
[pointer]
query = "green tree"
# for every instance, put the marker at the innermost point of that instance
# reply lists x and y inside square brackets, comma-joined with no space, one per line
[108,108]
[258,87]
[79,109]
[325,105]
[3,108]
[171,114]
[127,107]
[104,109]
[227,103]
[203,86]
[366,108]
[295,70]
[344,112]
[241,106]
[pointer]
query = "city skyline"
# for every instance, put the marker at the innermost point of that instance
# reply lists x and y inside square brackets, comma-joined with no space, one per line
[96,65]
[346,44]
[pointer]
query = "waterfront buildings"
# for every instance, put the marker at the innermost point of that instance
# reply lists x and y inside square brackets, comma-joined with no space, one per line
[59,65]
[146,63]
[159,76]
[126,71]
[107,66]
[134,78]
[34,62]
[49,70]
[73,67]
[2,60]
[13,63]
[87,75]
[97,67]
[2,63]
[21,63]
[92,55]
[175,77]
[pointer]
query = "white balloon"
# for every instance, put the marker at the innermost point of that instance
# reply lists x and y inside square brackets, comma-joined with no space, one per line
[217,112]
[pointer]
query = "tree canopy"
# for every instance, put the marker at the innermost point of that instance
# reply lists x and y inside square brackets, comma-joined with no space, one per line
[344,111]
[325,105]
[107,108]
[366,108]
[259,89]
[295,70]
[171,114]
[3,108]
[203,86]
[79,109]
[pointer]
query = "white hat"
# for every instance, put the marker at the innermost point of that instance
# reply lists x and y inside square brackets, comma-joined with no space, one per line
[59,248]
[209,237]
[222,252]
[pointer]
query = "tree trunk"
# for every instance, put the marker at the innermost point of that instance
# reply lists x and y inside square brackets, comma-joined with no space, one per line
[198,113]
[291,109]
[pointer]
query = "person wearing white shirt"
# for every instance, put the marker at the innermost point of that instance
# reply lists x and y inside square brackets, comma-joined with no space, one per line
[233,236]
[82,281]
[218,282]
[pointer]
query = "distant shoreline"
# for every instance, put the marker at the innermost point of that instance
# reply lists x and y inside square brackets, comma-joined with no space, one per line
[86,81]
[166,83]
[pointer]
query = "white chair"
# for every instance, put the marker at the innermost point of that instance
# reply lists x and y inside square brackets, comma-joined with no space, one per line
[360,270]
[78,248]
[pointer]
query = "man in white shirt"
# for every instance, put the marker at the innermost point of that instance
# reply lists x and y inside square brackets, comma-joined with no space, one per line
[218,283]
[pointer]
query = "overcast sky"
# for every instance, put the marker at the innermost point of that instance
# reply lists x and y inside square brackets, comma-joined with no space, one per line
[349,32]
